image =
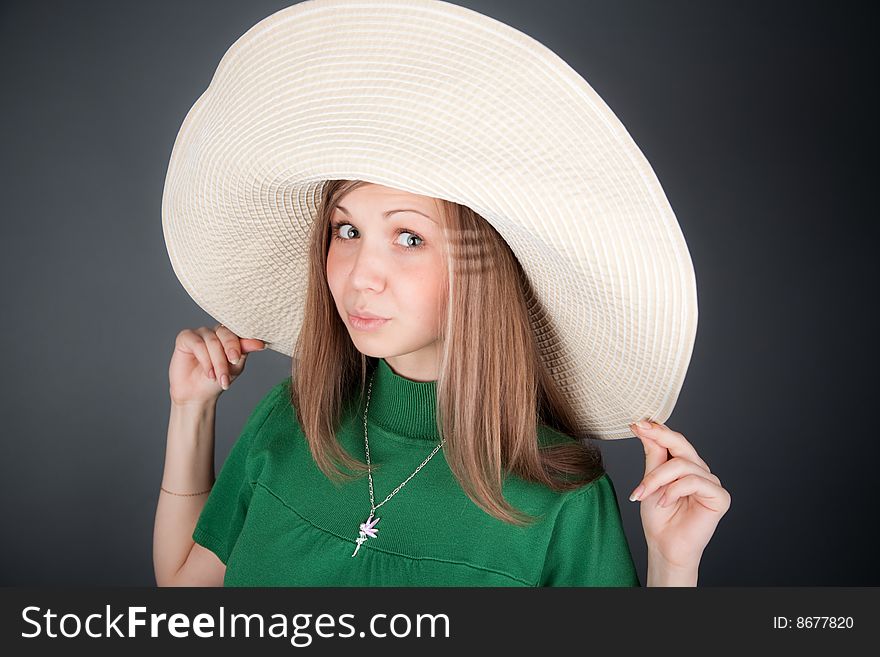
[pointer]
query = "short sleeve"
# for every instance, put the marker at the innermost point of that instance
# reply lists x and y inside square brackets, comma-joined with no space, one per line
[223,515]
[588,546]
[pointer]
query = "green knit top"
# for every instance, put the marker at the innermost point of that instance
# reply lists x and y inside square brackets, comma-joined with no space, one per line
[275,519]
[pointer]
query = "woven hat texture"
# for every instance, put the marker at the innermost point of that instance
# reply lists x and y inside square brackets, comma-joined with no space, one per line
[439,100]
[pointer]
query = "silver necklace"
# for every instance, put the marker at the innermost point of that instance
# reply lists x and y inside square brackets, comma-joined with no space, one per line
[368,528]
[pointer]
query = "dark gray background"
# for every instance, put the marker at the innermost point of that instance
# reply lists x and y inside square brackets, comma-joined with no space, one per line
[758,117]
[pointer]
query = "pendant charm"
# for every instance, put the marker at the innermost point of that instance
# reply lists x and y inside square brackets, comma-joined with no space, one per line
[367,529]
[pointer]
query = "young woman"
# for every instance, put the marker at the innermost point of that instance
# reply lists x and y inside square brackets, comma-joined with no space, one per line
[475,271]
[452,371]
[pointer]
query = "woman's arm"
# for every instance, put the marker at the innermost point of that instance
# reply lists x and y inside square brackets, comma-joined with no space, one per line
[204,363]
[189,468]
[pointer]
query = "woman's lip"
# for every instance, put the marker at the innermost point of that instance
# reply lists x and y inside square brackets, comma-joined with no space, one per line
[365,323]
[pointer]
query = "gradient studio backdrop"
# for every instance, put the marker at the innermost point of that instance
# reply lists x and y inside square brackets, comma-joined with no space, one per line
[759,119]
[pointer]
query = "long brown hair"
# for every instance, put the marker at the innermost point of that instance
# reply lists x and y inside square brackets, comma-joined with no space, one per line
[492,389]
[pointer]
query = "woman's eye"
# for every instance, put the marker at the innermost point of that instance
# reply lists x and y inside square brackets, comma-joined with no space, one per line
[340,227]
[343,232]
[411,236]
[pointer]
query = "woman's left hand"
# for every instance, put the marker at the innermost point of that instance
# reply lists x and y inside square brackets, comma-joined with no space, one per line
[682,501]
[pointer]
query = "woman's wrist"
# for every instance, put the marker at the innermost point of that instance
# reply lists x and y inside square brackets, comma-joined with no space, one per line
[192,422]
[663,573]
[189,450]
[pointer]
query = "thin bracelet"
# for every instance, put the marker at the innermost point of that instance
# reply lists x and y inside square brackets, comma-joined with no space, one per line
[185,494]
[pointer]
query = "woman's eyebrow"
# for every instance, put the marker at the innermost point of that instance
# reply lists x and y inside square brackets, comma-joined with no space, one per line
[390,212]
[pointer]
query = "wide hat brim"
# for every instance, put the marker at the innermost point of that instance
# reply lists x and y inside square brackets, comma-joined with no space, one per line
[438,100]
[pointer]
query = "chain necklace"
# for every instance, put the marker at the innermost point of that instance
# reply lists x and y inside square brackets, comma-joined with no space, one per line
[368,528]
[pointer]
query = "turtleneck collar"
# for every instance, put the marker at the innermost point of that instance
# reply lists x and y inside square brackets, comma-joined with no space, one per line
[403,406]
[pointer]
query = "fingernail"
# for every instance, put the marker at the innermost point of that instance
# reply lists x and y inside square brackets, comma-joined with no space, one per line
[644,424]
[224,382]
[637,493]
[233,357]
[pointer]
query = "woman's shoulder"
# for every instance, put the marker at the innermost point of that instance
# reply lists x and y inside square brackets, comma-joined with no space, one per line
[551,499]
[548,436]
[270,409]
[277,396]
[538,497]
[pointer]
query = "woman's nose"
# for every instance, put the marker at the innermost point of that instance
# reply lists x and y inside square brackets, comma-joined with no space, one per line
[368,269]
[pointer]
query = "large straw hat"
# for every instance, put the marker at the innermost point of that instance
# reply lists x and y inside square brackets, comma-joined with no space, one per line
[439,100]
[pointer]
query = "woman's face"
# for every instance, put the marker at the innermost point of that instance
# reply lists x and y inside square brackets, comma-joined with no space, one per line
[393,267]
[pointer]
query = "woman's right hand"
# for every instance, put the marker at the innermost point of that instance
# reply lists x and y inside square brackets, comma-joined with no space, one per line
[206,361]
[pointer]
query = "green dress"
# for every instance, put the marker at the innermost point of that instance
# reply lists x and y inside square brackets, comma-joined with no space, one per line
[274,519]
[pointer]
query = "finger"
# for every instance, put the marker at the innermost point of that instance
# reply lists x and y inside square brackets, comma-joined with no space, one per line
[218,356]
[706,492]
[239,366]
[238,345]
[675,468]
[197,347]
[252,344]
[231,343]
[680,450]
[655,454]
[674,441]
